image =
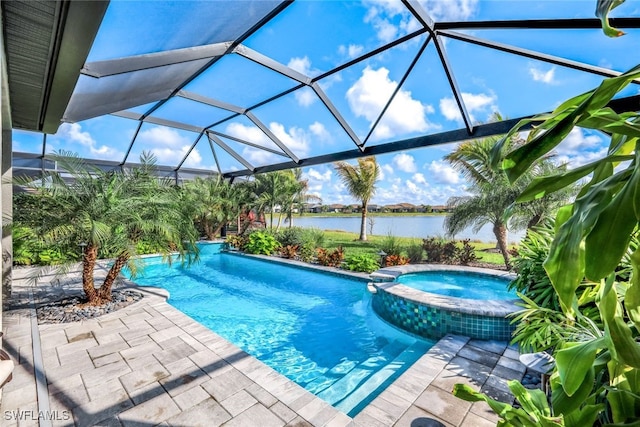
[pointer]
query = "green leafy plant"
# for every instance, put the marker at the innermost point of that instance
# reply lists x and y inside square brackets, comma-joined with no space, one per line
[293,236]
[261,243]
[595,377]
[237,241]
[365,263]
[415,252]
[307,252]
[391,245]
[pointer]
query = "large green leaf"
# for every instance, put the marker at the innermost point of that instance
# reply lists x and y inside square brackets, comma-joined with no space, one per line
[540,187]
[632,296]
[585,417]
[575,362]
[607,120]
[562,122]
[565,263]
[607,242]
[564,404]
[534,412]
[602,12]
[620,338]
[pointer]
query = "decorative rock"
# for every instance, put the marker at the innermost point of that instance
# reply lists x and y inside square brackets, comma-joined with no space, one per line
[68,310]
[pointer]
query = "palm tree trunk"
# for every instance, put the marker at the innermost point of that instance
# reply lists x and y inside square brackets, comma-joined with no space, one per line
[500,231]
[363,223]
[89,258]
[104,294]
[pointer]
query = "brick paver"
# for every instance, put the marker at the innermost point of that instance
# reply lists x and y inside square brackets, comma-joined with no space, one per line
[150,364]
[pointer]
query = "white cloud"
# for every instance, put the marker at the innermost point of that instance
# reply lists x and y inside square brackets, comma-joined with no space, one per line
[480,103]
[169,146]
[543,76]
[451,10]
[296,139]
[443,173]
[577,141]
[305,96]
[317,176]
[389,18]
[368,96]
[301,65]
[72,132]
[404,162]
[387,168]
[320,131]
[351,51]
[578,149]
[419,178]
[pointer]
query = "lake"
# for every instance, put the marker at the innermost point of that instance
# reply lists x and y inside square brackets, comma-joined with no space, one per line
[419,226]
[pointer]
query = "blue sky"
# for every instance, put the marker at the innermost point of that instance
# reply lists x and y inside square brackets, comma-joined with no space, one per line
[315,36]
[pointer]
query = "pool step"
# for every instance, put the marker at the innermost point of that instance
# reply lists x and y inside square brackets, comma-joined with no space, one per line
[344,386]
[358,398]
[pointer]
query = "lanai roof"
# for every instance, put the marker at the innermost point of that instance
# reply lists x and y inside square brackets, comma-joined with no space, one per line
[214,72]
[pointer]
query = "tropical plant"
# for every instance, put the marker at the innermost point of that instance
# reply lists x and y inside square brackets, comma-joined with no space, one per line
[330,258]
[297,196]
[261,243]
[110,212]
[466,254]
[493,195]
[491,192]
[391,245]
[283,190]
[213,202]
[391,260]
[595,377]
[365,263]
[415,252]
[361,183]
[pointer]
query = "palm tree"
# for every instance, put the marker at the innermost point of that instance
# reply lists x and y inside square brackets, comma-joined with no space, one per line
[492,199]
[109,213]
[214,203]
[491,193]
[298,196]
[361,183]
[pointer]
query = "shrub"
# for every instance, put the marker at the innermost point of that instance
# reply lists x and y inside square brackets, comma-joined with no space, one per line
[415,252]
[395,260]
[289,251]
[261,243]
[435,249]
[315,236]
[294,236]
[331,259]
[467,254]
[391,245]
[365,263]
[237,241]
[307,252]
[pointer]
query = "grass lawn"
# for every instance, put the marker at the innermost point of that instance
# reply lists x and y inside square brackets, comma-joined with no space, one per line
[352,246]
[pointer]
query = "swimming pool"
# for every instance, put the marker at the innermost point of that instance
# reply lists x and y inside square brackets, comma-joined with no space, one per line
[460,284]
[317,329]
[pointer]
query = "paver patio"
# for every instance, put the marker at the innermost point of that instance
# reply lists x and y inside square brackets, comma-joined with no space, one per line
[150,364]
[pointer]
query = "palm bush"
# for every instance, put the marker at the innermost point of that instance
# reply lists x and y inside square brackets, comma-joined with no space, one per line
[109,212]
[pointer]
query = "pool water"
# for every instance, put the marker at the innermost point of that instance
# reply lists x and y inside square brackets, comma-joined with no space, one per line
[317,329]
[460,284]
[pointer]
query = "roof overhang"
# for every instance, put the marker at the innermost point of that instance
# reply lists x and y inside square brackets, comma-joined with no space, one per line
[46,46]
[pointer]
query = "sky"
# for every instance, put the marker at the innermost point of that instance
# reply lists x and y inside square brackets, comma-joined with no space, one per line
[313,37]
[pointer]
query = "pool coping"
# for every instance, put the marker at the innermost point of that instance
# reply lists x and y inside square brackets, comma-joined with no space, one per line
[384,279]
[398,401]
